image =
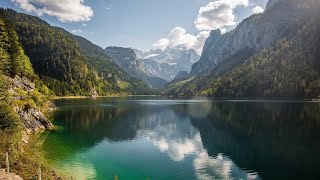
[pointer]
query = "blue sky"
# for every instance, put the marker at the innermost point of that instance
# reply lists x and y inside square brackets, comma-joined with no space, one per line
[140,23]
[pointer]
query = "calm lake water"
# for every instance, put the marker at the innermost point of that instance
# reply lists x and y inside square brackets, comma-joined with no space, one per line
[160,139]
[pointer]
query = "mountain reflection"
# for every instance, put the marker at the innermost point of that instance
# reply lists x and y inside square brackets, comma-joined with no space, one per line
[226,140]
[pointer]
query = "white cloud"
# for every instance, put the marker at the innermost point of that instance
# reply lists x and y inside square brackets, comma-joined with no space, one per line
[162,44]
[257,10]
[178,36]
[215,15]
[64,10]
[218,14]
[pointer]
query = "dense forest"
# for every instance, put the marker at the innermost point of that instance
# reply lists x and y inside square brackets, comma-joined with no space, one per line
[25,158]
[63,66]
[289,69]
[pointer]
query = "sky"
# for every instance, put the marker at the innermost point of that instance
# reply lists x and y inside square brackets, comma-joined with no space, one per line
[141,24]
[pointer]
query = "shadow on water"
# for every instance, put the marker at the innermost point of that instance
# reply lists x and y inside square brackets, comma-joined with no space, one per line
[278,140]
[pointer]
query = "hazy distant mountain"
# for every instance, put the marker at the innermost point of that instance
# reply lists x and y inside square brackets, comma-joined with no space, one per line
[155,67]
[127,59]
[168,63]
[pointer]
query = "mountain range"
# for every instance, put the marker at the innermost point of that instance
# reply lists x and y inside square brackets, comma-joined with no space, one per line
[155,67]
[271,54]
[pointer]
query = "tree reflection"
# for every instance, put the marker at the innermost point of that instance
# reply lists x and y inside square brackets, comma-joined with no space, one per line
[279,140]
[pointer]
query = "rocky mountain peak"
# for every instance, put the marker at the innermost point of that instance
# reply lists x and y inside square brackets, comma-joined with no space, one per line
[271,3]
[254,33]
[215,35]
[216,32]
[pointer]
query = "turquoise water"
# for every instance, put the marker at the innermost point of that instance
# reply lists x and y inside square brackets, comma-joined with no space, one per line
[158,138]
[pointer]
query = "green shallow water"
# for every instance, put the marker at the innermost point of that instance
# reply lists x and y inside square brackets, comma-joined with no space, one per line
[158,138]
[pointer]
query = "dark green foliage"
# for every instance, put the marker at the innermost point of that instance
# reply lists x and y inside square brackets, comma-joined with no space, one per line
[289,69]
[3,88]
[13,60]
[63,66]
[51,52]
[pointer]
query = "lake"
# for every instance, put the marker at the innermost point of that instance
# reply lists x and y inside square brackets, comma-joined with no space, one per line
[160,138]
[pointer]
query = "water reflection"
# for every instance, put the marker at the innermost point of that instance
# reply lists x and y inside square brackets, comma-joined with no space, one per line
[219,140]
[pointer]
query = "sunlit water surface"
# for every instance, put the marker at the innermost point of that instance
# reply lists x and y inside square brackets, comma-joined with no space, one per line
[158,138]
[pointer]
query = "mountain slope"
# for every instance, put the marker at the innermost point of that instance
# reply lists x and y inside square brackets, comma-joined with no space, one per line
[291,68]
[288,67]
[62,64]
[254,34]
[105,68]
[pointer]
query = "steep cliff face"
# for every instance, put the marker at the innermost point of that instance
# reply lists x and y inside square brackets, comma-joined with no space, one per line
[33,120]
[126,59]
[254,33]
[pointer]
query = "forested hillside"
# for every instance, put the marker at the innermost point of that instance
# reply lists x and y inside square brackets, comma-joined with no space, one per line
[291,68]
[108,70]
[25,158]
[13,60]
[63,66]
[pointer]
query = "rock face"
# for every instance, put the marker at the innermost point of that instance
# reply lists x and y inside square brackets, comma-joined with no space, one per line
[159,69]
[125,58]
[254,33]
[21,83]
[33,120]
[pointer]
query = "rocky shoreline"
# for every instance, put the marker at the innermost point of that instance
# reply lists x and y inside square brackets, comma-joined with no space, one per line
[33,121]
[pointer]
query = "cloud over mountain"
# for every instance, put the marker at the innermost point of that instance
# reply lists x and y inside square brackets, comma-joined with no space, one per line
[215,15]
[257,10]
[179,36]
[218,14]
